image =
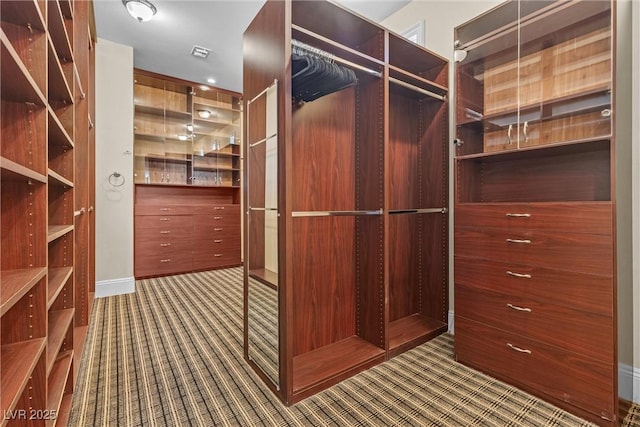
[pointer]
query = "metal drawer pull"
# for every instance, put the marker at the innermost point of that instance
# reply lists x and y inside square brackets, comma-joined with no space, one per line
[164,245]
[165,209]
[165,219]
[217,229]
[217,241]
[524,131]
[166,260]
[217,217]
[217,208]
[217,255]
[165,232]
[515,307]
[509,134]
[518,215]
[521,350]
[522,276]
[527,241]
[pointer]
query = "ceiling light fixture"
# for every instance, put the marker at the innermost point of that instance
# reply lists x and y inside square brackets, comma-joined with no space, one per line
[183,137]
[141,10]
[189,127]
[211,80]
[204,114]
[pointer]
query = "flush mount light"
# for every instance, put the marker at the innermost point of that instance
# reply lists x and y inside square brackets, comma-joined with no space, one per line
[183,137]
[459,55]
[141,10]
[189,127]
[204,114]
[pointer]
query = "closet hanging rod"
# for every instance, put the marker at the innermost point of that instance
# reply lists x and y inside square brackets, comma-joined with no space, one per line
[263,140]
[416,88]
[332,57]
[335,213]
[417,211]
[263,209]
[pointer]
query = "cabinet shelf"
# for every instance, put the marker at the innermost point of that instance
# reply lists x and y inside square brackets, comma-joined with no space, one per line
[58,135]
[16,283]
[18,362]
[23,87]
[212,124]
[214,168]
[56,179]
[58,86]
[417,81]
[412,330]
[58,32]
[56,231]
[58,278]
[265,276]
[58,380]
[12,171]
[23,13]
[331,362]
[59,324]
[147,109]
[67,8]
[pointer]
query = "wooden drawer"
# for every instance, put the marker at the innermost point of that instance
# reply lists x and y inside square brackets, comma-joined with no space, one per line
[224,239]
[217,220]
[158,264]
[228,210]
[541,369]
[165,210]
[563,327]
[580,291]
[228,233]
[210,225]
[588,217]
[203,259]
[586,253]
[163,247]
[149,227]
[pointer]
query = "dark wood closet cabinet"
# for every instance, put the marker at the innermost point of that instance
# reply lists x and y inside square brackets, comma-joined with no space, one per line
[535,271]
[46,164]
[346,204]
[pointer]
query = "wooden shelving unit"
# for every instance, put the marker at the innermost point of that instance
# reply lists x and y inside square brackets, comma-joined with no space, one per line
[41,59]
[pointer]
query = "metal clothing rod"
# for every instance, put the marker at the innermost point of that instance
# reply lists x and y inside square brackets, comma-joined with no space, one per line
[335,213]
[416,88]
[263,140]
[275,82]
[332,57]
[75,71]
[417,211]
[264,209]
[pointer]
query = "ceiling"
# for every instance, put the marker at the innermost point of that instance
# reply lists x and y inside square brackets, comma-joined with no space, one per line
[163,45]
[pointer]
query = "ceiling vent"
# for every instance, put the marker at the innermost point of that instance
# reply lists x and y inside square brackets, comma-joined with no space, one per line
[200,52]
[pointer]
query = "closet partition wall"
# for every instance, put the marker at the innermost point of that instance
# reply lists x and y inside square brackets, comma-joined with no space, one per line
[360,250]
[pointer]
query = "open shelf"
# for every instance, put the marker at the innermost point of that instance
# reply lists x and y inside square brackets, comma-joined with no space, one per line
[58,278]
[16,283]
[18,362]
[148,109]
[58,135]
[56,231]
[23,87]
[58,380]
[66,7]
[12,171]
[22,12]
[57,179]
[59,324]
[58,32]
[329,363]
[64,411]
[58,86]
[268,277]
[412,330]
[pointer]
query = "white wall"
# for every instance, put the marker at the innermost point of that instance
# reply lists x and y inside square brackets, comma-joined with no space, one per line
[114,145]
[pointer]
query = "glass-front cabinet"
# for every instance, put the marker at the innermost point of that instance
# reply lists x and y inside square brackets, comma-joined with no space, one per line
[186,134]
[534,73]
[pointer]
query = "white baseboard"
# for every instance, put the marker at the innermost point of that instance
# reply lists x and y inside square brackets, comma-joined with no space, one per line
[107,288]
[450,322]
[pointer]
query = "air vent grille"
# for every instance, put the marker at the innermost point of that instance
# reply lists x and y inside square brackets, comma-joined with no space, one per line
[200,52]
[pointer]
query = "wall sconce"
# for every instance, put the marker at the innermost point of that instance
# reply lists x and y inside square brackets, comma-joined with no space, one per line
[459,55]
[141,10]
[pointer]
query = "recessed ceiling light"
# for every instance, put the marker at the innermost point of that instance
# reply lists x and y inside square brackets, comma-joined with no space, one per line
[203,87]
[211,80]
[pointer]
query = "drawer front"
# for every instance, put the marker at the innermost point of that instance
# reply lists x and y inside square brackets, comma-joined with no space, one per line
[580,291]
[578,331]
[221,240]
[164,210]
[163,263]
[590,218]
[586,253]
[149,227]
[216,258]
[541,369]
[228,210]
[211,227]
[163,247]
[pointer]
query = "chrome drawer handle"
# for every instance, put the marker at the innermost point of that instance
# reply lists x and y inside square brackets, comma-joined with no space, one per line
[218,208]
[165,219]
[524,131]
[518,215]
[217,255]
[515,307]
[165,209]
[526,241]
[521,350]
[522,276]
[217,241]
[166,260]
[217,229]
[217,217]
[509,134]
[165,232]
[164,245]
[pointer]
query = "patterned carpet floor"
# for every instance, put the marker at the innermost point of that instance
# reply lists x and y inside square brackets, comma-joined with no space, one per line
[171,355]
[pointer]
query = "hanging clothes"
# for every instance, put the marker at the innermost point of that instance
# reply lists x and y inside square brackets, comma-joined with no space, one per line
[313,75]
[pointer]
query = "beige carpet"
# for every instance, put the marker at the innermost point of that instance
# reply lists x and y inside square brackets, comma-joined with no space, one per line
[171,355]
